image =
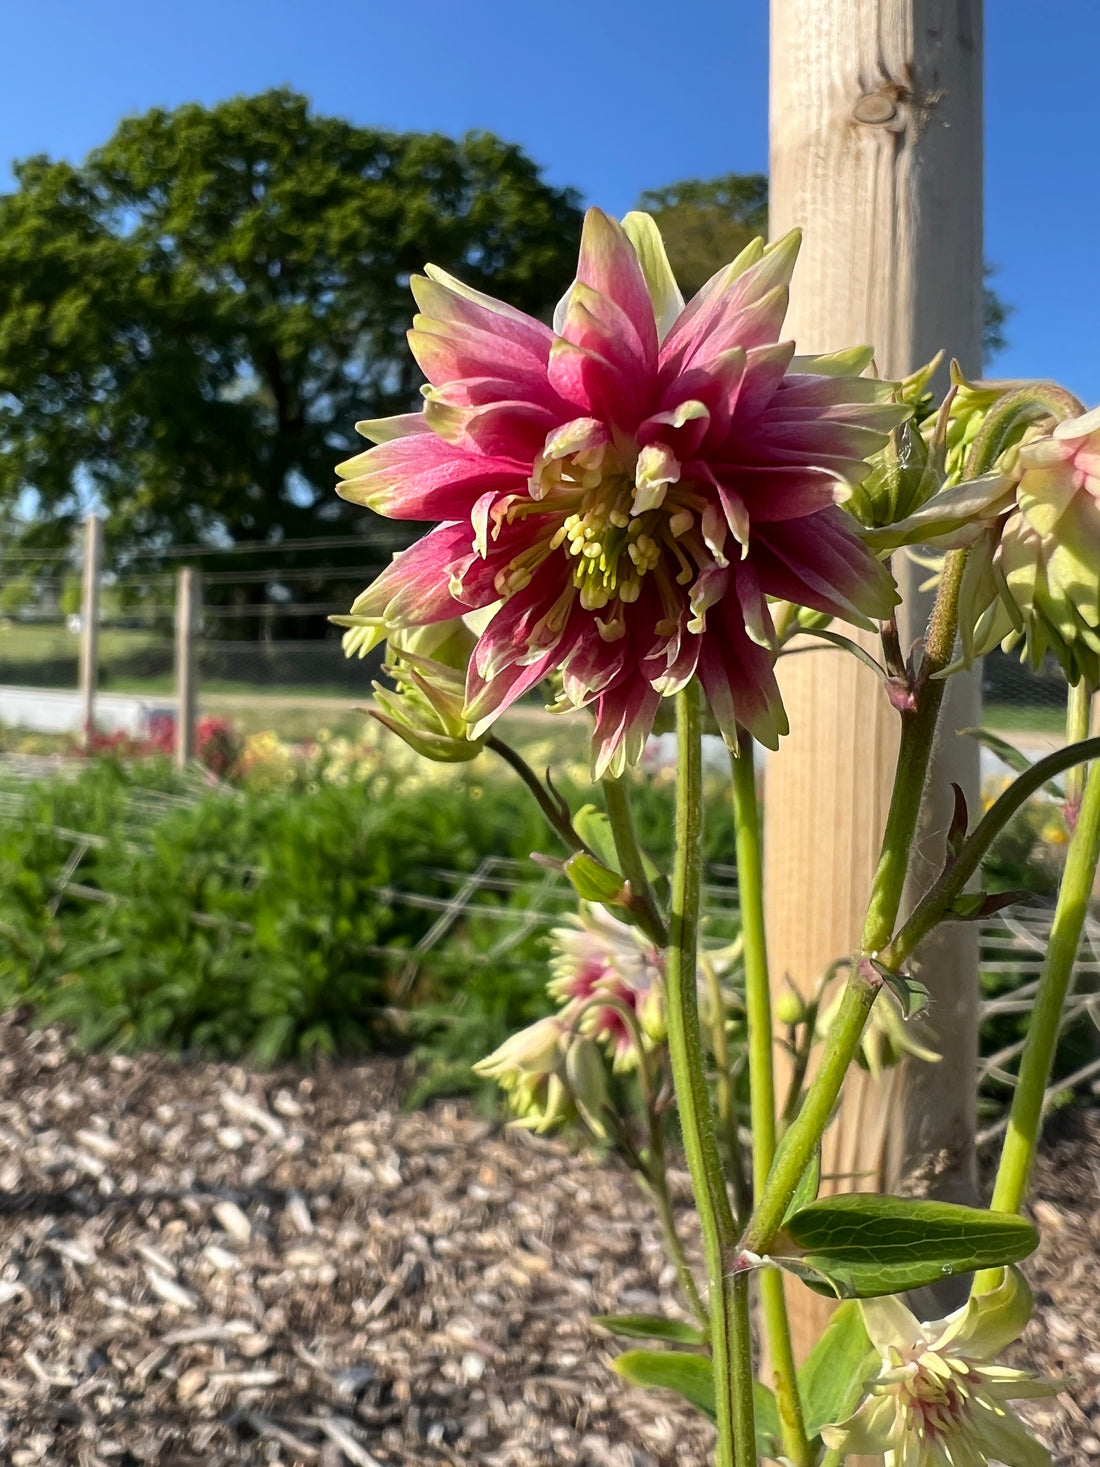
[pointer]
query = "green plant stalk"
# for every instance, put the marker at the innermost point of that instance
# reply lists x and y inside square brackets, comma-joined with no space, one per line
[556,815]
[1026,1115]
[654,1168]
[730,1337]
[631,861]
[937,900]
[914,753]
[656,1176]
[1078,711]
[1011,415]
[725,1092]
[758,1006]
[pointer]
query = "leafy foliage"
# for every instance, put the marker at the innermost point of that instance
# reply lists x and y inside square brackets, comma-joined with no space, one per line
[236,924]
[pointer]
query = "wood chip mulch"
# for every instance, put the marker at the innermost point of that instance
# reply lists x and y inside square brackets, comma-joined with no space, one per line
[203,1265]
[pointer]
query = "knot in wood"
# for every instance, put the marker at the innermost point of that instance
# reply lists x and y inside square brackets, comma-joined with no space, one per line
[875,109]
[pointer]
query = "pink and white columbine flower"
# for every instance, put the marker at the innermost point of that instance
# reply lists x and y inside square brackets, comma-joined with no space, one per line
[598,957]
[938,1397]
[630,486]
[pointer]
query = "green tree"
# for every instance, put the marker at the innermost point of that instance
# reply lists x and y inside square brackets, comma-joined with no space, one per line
[707,222]
[192,319]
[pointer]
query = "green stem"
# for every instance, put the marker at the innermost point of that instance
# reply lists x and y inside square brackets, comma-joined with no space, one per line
[631,861]
[937,900]
[726,1090]
[728,1318]
[557,815]
[1008,418]
[1078,711]
[914,753]
[1025,1117]
[750,885]
[758,1005]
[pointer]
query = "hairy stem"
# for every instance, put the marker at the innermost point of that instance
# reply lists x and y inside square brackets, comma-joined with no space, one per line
[557,816]
[726,1091]
[631,861]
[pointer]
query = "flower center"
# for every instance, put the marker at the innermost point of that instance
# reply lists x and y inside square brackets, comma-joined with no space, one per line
[935,1398]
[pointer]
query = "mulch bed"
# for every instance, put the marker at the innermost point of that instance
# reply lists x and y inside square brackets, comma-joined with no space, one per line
[202,1265]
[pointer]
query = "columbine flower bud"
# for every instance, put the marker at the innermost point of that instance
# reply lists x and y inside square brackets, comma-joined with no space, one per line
[938,1397]
[967,411]
[428,665]
[530,1067]
[1049,555]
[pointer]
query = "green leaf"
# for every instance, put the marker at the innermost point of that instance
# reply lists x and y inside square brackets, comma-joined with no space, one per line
[594,882]
[830,1380]
[808,1183]
[864,1244]
[691,1376]
[594,828]
[1008,754]
[650,1327]
[769,1438]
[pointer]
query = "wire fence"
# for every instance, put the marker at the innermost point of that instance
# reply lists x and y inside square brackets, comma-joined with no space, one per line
[259,634]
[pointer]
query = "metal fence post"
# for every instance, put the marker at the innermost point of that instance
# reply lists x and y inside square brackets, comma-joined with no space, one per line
[188,600]
[89,626]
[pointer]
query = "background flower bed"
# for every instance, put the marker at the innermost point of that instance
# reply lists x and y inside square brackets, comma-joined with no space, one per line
[269,915]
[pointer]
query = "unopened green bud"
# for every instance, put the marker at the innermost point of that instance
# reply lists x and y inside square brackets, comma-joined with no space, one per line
[789,1007]
[586,1076]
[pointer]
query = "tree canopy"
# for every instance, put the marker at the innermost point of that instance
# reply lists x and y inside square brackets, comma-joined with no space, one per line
[193,318]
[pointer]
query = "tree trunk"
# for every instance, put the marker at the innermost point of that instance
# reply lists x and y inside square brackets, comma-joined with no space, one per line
[876,147]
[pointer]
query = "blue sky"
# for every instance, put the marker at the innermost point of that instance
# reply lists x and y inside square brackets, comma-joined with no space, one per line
[609,96]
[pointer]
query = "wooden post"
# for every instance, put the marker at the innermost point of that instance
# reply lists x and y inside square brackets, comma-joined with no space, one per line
[876,146]
[89,626]
[188,600]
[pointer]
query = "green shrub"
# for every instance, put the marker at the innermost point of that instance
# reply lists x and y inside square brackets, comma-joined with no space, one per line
[264,924]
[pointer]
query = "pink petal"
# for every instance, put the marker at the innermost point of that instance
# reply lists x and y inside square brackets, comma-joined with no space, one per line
[444,299]
[423,478]
[821,563]
[624,720]
[599,324]
[503,429]
[756,294]
[778,491]
[608,263]
[738,678]
[592,384]
[414,589]
[449,354]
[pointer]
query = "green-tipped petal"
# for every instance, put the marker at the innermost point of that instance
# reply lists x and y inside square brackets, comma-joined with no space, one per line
[642,232]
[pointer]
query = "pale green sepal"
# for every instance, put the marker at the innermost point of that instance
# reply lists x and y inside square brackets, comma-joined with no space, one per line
[363,634]
[991,1321]
[384,430]
[642,232]
[849,363]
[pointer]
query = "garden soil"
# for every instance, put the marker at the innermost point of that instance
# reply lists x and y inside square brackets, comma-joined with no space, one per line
[202,1265]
